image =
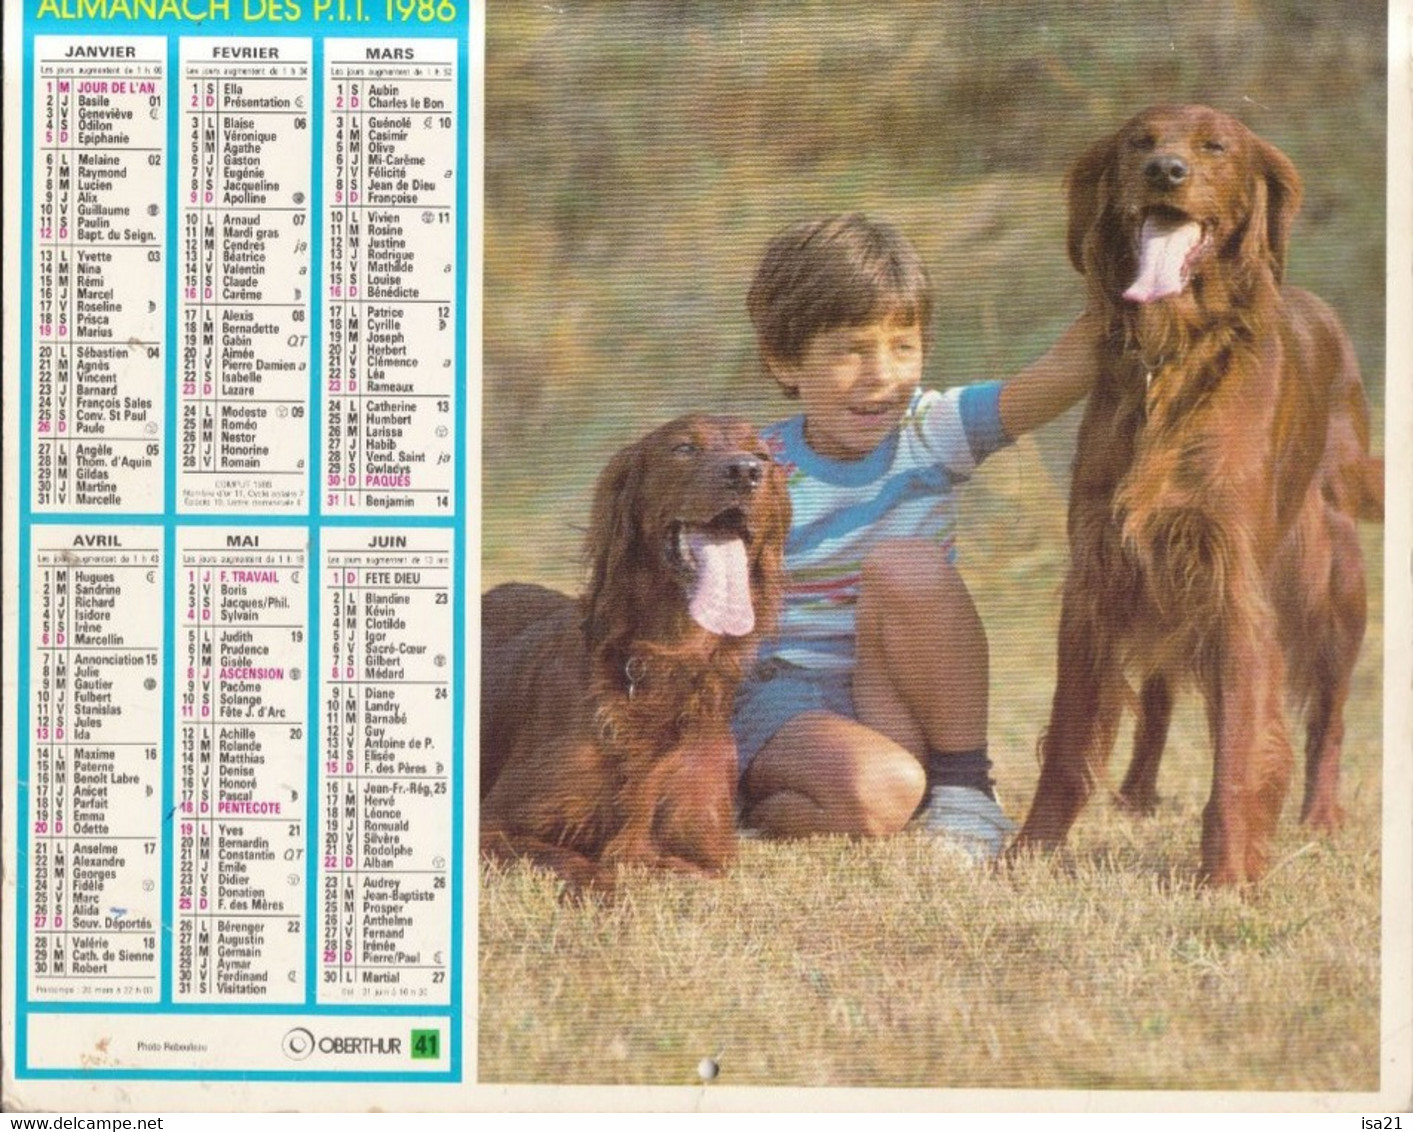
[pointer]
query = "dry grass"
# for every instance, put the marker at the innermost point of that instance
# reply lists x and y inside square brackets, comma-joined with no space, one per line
[891,963]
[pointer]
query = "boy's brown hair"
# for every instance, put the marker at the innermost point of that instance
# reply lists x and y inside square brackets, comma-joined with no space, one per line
[835,271]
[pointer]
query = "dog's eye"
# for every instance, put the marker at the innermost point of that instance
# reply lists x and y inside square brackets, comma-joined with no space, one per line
[1214,146]
[1144,142]
[687,448]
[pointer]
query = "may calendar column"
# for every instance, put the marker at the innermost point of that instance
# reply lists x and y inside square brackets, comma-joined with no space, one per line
[390,226]
[241,662]
[98,261]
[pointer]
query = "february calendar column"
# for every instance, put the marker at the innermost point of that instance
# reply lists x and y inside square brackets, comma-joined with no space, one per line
[243,312]
[98,264]
[94,766]
[390,238]
[242,703]
[385,835]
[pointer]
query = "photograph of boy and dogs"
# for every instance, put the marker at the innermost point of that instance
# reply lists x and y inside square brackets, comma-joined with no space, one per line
[931,547]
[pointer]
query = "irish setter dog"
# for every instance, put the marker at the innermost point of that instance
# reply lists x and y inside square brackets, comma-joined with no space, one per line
[1222,462]
[605,723]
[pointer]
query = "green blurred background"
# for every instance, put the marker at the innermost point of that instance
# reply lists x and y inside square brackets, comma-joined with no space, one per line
[639,155]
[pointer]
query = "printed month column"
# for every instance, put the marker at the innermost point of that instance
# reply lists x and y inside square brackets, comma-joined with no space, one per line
[385,834]
[244,184]
[390,239]
[242,703]
[95,775]
[99,270]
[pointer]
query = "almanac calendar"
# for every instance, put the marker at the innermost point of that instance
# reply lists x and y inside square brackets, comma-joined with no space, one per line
[238,486]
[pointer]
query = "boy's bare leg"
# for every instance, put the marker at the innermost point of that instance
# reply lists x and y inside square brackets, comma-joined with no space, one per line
[922,664]
[920,683]
[822,773]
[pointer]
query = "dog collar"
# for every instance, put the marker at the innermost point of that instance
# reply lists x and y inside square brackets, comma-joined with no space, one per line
[1150,369]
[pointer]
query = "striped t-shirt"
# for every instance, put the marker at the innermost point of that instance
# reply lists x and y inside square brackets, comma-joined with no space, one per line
[843,509]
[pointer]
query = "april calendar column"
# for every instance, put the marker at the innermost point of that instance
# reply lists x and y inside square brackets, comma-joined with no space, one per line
[99,270]
[390,287]
[94,763]
[243,189]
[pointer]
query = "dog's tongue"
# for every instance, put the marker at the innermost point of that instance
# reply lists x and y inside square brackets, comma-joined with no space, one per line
[1163,248]
[720,601]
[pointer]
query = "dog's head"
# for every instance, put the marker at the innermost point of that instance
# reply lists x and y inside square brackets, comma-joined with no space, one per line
[1180,199]
[691,518]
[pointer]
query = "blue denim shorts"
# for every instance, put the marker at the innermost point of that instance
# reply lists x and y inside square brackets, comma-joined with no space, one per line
[777,691]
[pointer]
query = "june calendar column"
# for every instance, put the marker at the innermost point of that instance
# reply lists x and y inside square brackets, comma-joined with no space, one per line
[243,313]
[98,264]
[385,834]
[390,238]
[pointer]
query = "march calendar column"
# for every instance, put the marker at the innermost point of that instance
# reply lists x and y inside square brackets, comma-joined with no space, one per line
[98,264]
[390,237]
[244,269]
[94,763]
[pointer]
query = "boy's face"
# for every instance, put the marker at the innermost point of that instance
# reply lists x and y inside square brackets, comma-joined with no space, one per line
[855,383]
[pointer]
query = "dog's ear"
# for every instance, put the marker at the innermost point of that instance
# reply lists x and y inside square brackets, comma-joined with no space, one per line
[610,544]
[1275,199]
[1088,187]
[1283,194]
[769,565]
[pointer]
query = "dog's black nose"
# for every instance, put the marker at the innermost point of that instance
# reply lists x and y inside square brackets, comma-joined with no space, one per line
[1166,171]
[744,473]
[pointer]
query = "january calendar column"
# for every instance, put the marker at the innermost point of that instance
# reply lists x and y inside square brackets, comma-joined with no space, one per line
[98,264]
[386,836]
[241,704]
[95,769]
[391,234]
[244,182]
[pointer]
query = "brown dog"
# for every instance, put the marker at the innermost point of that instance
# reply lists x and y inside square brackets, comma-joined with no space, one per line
[1222,462]
[605,724]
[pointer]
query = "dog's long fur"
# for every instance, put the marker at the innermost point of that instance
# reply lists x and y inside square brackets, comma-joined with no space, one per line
[1222,462]
[605,735]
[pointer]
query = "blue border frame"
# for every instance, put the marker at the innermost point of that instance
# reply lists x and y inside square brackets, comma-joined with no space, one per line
[314,521]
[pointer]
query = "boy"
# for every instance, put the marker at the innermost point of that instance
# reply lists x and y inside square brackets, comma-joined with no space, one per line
[873,698]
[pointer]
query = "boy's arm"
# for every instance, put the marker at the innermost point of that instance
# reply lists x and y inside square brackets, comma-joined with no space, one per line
[1055,381]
